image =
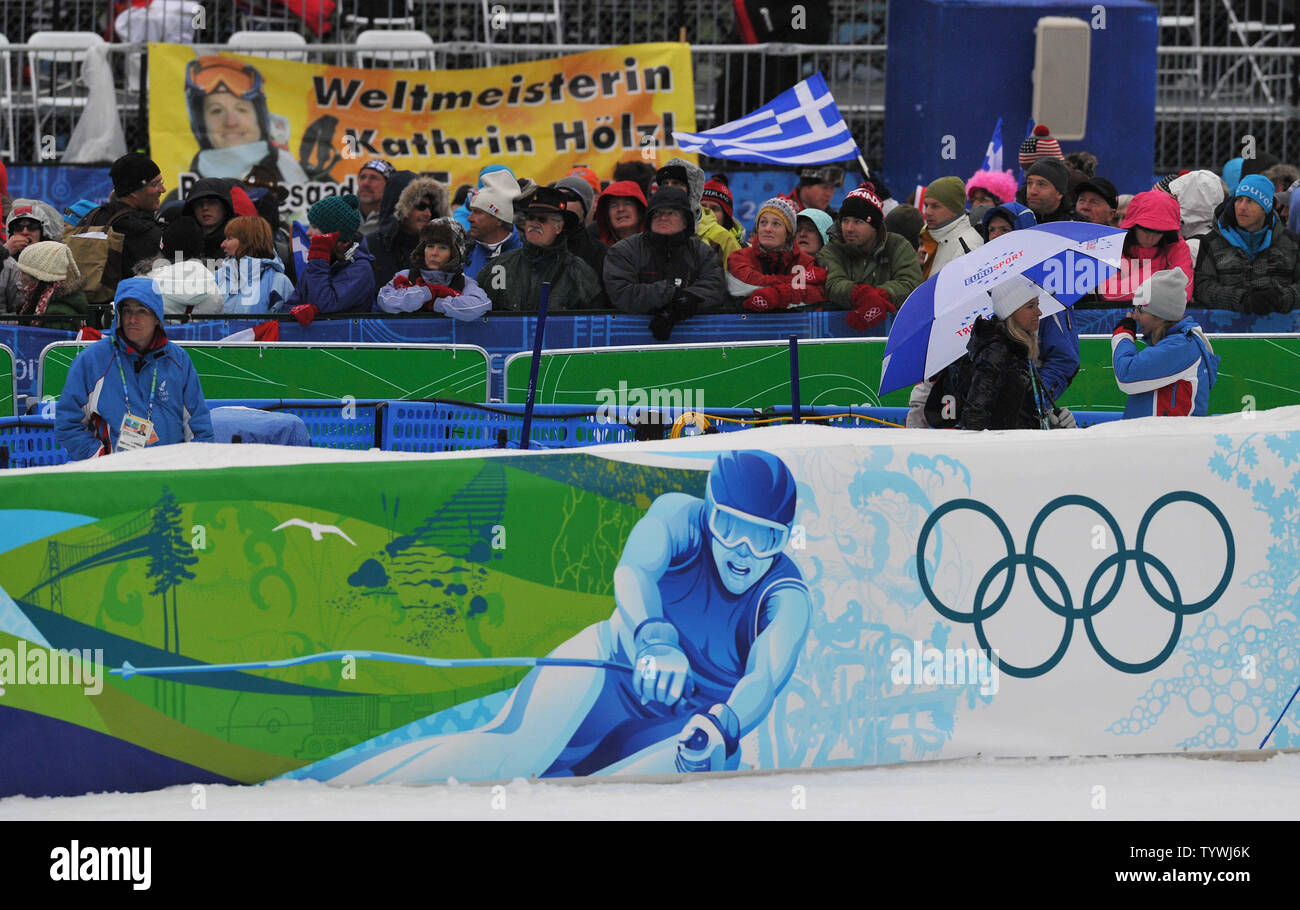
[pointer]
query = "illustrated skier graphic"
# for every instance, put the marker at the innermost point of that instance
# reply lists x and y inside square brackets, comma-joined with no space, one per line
[710,616]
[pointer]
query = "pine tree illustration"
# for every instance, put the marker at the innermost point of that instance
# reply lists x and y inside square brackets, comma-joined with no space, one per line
[169,557]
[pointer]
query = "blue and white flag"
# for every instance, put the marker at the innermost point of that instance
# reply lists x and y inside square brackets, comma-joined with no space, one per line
[993,157]
[300,247]
[799,126]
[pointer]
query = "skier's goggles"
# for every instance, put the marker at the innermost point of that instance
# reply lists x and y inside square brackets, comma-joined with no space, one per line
[732,528]
[217,74]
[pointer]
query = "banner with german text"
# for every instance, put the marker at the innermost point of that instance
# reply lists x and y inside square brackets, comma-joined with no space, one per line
[312,126]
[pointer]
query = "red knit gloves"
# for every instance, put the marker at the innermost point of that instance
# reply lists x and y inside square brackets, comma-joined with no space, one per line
[322,246]
[870,307]
[773,298]
[304,313]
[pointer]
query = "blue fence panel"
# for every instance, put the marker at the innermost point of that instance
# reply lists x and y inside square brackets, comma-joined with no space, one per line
[30,442]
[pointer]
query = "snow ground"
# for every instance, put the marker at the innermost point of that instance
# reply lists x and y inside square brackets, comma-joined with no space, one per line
[1137,787]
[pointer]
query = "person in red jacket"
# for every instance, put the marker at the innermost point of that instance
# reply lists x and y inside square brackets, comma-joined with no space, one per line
[620,213]
[1154,244]
[770,274]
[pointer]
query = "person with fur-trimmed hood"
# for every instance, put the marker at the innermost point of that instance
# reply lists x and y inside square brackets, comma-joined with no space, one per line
[666,271]
[436,279]
[409,203]
[51,286]
[688,177]
[770,274]
[513,281]
[869,271]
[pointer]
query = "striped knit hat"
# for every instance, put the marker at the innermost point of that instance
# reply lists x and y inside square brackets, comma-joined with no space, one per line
[720,193]
[783,210]
[1039,145]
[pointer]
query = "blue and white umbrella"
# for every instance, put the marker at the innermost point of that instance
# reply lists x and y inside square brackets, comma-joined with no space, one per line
[1067,259]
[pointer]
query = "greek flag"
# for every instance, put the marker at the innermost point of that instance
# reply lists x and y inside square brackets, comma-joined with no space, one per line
[300,246]
[993,157]
[800,126]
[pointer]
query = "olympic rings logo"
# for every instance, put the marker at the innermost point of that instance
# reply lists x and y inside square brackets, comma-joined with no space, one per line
[1091,604]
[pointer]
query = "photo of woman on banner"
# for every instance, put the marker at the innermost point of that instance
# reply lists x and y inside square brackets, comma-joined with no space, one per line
[226,99]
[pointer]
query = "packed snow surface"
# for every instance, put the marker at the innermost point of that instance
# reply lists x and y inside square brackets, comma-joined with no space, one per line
[1150,787]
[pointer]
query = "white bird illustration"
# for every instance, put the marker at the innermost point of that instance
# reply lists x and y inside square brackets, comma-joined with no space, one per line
[316,529]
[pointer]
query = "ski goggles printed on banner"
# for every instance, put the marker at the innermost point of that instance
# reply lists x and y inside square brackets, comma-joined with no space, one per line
[732,528]
[220,74]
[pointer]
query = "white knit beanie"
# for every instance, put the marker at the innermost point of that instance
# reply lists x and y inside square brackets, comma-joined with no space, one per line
[49,260]
[497,196]
[1164,294]
[1010,295]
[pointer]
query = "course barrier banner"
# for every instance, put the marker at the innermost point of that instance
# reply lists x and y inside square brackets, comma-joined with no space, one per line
[283,370]
[7,385]
[314,126]
[822,597]
[1258,366]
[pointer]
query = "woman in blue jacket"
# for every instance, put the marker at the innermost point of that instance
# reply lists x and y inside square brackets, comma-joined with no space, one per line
[1172,376]
[252,277]
[133,379]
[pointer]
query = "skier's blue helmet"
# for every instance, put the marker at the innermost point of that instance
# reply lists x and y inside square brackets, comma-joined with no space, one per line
[750,496]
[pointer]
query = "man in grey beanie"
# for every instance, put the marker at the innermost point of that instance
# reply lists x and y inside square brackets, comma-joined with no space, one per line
[1047,190]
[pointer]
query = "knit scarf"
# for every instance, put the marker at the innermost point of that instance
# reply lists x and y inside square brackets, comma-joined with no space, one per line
[1250,243]
[37,297]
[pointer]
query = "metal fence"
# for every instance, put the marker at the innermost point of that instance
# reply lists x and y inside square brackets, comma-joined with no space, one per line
[1227,70]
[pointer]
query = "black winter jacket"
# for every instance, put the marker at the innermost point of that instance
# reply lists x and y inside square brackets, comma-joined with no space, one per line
[1224,276]
[220,188]
[997,381]
[640,270]
[141,230]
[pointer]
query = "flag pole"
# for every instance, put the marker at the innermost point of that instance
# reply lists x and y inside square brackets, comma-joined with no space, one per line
[866,171]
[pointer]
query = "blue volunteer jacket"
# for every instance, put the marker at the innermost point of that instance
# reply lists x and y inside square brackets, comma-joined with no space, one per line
[1169,379]
[93,403]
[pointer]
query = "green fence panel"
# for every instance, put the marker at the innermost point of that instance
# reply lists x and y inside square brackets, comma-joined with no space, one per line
[736,375]
[741,375]
[289,370]
[8,389]
[1264,367]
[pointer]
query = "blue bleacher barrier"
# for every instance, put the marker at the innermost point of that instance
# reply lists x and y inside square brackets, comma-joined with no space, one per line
[332,424]
[447,426]
[29,442]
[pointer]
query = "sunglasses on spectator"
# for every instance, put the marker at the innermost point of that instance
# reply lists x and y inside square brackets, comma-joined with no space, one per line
[25,225]
[543,217]
[424,205]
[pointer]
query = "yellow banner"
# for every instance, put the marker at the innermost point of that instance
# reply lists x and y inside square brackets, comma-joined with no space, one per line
[314,126]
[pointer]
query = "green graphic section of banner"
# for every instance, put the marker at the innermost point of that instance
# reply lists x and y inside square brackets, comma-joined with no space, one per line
[466,558]
[6,382]
[715,376]
[845,373]
[276,371]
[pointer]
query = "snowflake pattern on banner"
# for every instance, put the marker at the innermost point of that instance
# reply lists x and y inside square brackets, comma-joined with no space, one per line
[1232,672]
[842,705]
